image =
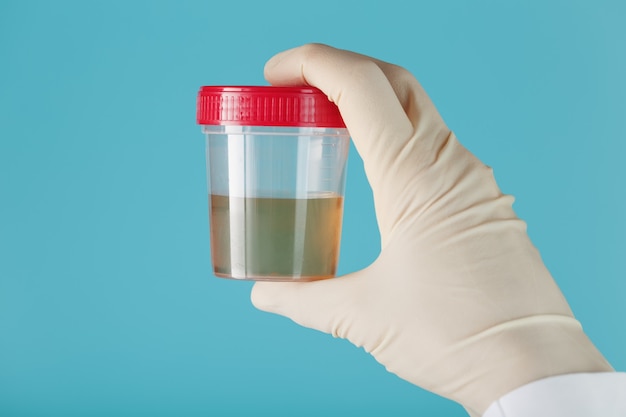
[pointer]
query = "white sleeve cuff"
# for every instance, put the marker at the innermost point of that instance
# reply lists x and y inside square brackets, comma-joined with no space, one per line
[601,394]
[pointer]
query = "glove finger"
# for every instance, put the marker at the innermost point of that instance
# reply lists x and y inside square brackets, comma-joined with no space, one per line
[325,305]
[369,105]
[409,92]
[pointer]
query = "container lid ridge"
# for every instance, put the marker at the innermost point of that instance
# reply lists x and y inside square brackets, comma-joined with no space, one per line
[266,106]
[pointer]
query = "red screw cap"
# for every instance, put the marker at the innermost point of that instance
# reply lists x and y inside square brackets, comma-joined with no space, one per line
[266,106]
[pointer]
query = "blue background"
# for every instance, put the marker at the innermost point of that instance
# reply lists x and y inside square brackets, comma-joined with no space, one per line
[107,302]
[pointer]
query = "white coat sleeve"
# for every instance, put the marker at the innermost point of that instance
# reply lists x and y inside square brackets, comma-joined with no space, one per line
[601,394]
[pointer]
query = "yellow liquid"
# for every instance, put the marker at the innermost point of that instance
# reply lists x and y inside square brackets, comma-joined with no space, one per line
[275,238]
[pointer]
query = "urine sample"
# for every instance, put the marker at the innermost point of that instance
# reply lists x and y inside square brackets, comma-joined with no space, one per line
[276,170]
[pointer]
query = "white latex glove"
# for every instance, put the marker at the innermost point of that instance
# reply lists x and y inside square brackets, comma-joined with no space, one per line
[459,301]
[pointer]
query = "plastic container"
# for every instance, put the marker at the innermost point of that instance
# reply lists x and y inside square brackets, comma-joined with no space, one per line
[276,169]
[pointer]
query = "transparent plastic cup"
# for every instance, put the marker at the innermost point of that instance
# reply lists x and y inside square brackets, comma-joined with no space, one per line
[276,169]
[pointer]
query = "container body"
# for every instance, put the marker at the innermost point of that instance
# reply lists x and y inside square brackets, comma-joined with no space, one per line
[275,200]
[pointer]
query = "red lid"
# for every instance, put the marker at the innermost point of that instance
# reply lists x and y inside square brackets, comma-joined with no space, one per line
[266,106]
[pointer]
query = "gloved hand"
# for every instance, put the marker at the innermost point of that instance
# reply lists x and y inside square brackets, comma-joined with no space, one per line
[459,301]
